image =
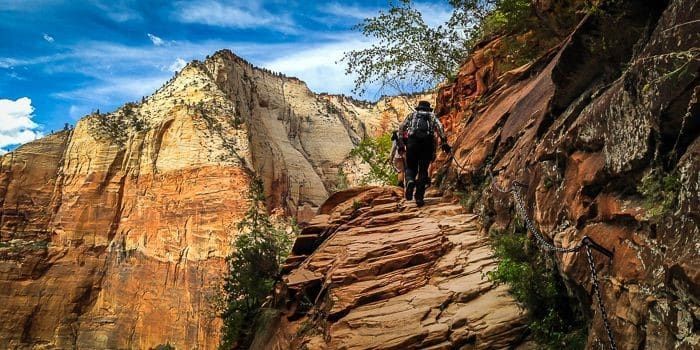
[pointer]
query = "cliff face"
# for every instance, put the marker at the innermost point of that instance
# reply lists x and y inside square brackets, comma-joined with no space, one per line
[603,130]
[113,234]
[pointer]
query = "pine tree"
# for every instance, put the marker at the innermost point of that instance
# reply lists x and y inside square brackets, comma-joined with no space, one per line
[253,268]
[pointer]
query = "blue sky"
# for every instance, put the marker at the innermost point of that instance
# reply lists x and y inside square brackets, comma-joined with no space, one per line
[60,60]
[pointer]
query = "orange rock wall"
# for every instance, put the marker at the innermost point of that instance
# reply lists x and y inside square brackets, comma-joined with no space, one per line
[580,127]
[108,257]
[114,234]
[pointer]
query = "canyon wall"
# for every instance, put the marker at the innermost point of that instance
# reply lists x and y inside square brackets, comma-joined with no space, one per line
[113,234]
[603,130]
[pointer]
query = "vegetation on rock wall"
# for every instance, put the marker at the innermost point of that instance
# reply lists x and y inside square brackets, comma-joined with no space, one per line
[660,192]
[375,153]
[555,319]
[342,182]
[115,126]
[261,247]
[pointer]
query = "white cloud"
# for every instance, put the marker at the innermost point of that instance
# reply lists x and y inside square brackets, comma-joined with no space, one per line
[318,65]
[353,11]
[48,38]
[117,10]
[232,15]
[15,75]
[114,91]
[16,124]
[434,14]
[155,40]
[78,111]
[177,65]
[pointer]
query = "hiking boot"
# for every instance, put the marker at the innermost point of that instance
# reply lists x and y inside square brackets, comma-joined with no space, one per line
[420,203]
[410,186]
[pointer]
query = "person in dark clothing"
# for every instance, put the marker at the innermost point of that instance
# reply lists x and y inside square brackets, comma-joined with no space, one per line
[420,128]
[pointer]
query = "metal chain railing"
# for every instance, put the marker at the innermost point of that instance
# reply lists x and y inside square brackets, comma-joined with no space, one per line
[587,243]
[596,290]
[461,167]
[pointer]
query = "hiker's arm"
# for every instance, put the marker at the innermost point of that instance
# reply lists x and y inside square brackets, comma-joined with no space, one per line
[402,126]
[440,129]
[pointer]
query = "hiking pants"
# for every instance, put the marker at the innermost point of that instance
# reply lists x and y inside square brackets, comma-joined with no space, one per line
[419,154]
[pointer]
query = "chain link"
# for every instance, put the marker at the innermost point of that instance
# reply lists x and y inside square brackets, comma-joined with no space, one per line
[520,205]
[586,243]
[596,290]
[461,167]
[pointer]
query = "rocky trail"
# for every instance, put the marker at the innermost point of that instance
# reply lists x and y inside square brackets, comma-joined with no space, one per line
[372,271]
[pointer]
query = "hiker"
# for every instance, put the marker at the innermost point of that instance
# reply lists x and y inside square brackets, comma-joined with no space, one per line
[398,156]
[419,128]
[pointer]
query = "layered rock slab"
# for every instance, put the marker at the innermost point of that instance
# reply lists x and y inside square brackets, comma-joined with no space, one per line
[384,274]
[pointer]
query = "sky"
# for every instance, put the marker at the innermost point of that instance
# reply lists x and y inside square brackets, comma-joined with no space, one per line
[60,60]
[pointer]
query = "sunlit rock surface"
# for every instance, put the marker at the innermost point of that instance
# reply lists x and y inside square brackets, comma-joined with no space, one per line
[374,272]
[113,234]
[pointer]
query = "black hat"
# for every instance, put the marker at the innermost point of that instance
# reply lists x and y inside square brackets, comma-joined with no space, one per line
[424,106]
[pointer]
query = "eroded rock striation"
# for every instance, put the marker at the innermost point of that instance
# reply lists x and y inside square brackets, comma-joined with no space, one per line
[113,234]
[585,127]
[374,272]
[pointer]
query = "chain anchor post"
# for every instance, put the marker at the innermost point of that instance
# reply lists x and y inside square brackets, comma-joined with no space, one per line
[602,250]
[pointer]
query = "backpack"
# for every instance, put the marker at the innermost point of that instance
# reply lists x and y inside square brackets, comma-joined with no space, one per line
[421,125]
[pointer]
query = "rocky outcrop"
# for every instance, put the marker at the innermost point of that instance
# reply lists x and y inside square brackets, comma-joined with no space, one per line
[299,141]
[374,272]
[114,234]
[586,127]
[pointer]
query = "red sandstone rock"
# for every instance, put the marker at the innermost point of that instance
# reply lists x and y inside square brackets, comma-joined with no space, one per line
[582,147]
[387,275]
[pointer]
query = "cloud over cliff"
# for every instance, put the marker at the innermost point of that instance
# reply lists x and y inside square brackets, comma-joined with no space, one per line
[16,125]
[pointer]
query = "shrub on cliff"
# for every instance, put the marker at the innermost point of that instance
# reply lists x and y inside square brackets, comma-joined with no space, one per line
[660,192]
[261,247]
[375,153]
[555,318]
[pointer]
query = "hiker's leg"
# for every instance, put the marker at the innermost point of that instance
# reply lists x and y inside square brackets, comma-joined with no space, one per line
[399,163]
[412,156]
[422,180]
[425,156]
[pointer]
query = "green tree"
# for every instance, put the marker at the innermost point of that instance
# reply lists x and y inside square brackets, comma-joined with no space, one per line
[407,52]
[375,153]
[410,55]
[260,249]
